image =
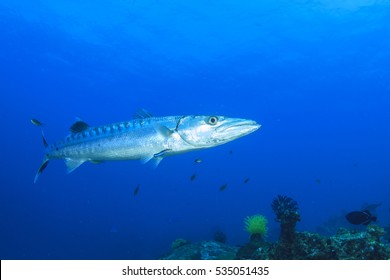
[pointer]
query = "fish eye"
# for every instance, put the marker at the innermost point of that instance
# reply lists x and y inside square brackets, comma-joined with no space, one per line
[212,120]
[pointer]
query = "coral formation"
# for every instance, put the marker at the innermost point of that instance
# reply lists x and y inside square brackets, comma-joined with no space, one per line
[371,244]
[256,225]
[286,210]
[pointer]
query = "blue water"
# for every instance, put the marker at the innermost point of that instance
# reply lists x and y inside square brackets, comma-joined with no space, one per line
[315,74]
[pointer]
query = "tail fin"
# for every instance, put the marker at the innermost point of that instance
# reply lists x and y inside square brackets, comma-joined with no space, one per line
[45,160]
[41,168]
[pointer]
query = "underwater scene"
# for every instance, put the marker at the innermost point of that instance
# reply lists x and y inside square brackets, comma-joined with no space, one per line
[195,129]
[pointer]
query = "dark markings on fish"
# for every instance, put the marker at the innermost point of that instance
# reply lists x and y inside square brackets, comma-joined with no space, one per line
[360,217]
[223,187]
[163,152]
[79,126]
[318,181]
[198,160]
[230,152]
[36,122]
[193,177]
[136,190]
[246,180]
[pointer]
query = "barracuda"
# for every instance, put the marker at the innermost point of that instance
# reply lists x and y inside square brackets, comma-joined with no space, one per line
[144,138]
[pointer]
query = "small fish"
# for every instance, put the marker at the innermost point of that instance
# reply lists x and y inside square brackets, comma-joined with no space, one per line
[360,217]
[246,180]
[198,160]
[223,187]
[318,181]
[193,177]
[36,122]
[136,190]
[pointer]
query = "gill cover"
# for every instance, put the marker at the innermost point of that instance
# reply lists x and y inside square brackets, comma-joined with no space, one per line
[210,131]
[200,131]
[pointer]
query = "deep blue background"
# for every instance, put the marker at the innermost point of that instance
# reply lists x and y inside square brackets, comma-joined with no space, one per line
[315,74]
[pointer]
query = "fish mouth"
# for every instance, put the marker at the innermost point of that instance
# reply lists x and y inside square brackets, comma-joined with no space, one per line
[236,128]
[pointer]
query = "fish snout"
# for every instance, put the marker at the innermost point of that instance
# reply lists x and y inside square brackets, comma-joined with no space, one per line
[236,128]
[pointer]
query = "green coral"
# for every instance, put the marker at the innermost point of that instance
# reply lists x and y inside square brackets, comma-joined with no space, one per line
[256,225]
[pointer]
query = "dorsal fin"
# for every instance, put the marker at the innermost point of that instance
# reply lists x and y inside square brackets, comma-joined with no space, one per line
[79,126]
[142,114]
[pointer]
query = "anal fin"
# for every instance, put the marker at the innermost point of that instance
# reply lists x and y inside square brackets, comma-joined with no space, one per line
[155,158]
[156,161]
[72,164]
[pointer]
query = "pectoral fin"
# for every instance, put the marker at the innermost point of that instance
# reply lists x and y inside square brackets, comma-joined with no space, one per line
[162,130]
[155,158]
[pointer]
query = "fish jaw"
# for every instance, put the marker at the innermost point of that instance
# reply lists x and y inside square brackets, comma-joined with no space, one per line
[200,132]
[234,129]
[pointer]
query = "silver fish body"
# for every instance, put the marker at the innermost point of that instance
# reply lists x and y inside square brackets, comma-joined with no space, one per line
[145,139]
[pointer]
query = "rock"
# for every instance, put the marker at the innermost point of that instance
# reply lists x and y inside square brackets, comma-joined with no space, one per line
[204,250]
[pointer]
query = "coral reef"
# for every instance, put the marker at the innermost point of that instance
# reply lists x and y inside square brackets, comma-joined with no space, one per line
[373,243]
[345,245]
